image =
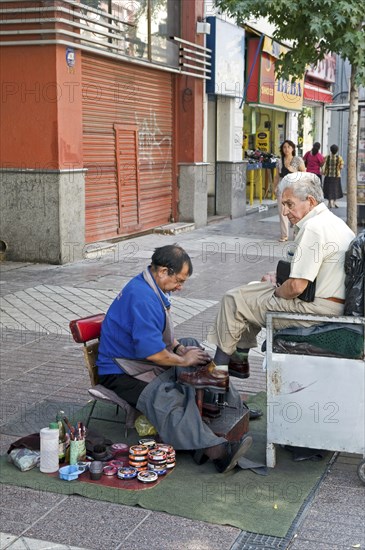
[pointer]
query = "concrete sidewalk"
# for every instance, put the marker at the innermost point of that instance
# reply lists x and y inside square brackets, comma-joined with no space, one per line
[42,365]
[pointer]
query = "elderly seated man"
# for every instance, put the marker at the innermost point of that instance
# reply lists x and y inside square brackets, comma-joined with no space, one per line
[321,240]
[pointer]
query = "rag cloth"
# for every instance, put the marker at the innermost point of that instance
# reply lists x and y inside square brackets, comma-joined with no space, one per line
[171,408]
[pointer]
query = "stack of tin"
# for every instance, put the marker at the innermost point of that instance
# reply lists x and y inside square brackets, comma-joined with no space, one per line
[170,455]
[138,457]
[157,461]
[161,458]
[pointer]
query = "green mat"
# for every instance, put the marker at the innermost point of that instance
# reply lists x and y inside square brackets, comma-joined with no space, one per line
[260,504]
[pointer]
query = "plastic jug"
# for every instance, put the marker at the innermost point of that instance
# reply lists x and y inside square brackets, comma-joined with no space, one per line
[49,449]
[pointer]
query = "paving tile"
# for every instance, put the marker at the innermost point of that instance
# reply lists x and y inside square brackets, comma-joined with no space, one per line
[334,534]
[302,544]
[89,523]
[327,501]
[325,514]
[23,543]
[22,507]
[6,539]
[162,532]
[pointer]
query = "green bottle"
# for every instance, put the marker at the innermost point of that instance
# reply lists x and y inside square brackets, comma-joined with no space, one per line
[62,439]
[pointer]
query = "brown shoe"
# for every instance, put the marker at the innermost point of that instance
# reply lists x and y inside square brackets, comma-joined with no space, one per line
[238,369]
[215,381]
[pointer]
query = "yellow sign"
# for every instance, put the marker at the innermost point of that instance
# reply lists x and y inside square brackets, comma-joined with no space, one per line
[245,142]
[289,94]
[262,141]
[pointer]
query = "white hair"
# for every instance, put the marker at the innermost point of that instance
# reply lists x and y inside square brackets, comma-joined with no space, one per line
[302,185]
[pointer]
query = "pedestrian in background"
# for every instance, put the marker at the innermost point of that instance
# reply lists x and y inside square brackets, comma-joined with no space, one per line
[288,163]
[314,160]
[332,188]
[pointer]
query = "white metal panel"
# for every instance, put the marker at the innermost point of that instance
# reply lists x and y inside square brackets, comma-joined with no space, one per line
[316,402]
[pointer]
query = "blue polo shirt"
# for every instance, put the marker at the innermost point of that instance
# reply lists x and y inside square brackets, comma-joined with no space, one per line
[132,327]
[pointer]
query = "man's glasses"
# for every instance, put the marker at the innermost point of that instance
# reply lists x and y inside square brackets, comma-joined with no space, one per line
[177,279]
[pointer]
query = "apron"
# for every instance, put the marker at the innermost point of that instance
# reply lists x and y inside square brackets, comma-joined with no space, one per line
[146,370]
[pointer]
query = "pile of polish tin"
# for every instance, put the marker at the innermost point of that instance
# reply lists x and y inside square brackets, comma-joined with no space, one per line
[161,458]
[148,460]
[138,457]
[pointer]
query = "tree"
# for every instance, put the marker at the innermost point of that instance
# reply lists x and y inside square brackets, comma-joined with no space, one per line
[315,28]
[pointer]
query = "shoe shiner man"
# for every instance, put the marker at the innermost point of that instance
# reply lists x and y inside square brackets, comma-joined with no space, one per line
[140,359]
[321,240]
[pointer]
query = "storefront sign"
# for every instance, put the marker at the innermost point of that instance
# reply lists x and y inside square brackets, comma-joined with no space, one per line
[324,69]
[263,141]
[227,43]
[289,94]
[263,88]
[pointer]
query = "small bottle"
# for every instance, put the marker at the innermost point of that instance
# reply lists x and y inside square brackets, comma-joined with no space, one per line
[62,439]
[49,448]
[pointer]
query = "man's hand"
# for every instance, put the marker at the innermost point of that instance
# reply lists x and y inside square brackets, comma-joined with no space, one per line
[269,277]
[194,357]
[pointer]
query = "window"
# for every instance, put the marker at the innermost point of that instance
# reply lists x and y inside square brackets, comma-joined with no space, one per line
[137,28]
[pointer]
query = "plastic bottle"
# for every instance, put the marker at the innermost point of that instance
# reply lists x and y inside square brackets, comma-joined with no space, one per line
[62,439]
[49,448]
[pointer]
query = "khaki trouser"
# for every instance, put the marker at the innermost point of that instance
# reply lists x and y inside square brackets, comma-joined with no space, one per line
[243,311]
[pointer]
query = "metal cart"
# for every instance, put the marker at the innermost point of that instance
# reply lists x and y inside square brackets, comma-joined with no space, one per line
[315,401]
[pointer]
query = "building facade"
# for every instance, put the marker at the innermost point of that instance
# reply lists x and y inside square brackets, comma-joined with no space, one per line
[102,116]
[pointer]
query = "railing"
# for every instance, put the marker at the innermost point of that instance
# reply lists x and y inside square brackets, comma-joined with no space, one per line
[94,30]
[193,58]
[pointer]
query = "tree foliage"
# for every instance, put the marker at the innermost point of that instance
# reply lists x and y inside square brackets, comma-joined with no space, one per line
[314,28]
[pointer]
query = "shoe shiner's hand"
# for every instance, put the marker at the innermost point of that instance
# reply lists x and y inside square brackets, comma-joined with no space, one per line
[195,356]
[184,349]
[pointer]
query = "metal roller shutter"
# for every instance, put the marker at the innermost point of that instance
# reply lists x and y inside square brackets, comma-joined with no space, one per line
[128,147]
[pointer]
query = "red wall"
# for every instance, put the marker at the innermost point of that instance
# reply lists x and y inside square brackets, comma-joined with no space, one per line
[190,94]
[40,108]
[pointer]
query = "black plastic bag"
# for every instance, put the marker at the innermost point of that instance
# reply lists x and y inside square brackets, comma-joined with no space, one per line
[354,281]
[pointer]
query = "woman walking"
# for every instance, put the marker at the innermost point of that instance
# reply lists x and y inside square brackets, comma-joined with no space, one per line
[287,163]
[314,161]
[332,189]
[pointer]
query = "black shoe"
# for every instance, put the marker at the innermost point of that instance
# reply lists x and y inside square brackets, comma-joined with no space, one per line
[200,457]
[254,413]
[234,453]
[239,370]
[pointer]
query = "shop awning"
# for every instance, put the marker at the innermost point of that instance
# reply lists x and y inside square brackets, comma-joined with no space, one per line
[314,92]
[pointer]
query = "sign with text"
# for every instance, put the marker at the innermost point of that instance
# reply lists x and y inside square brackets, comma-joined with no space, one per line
[263,87]
[263,141]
